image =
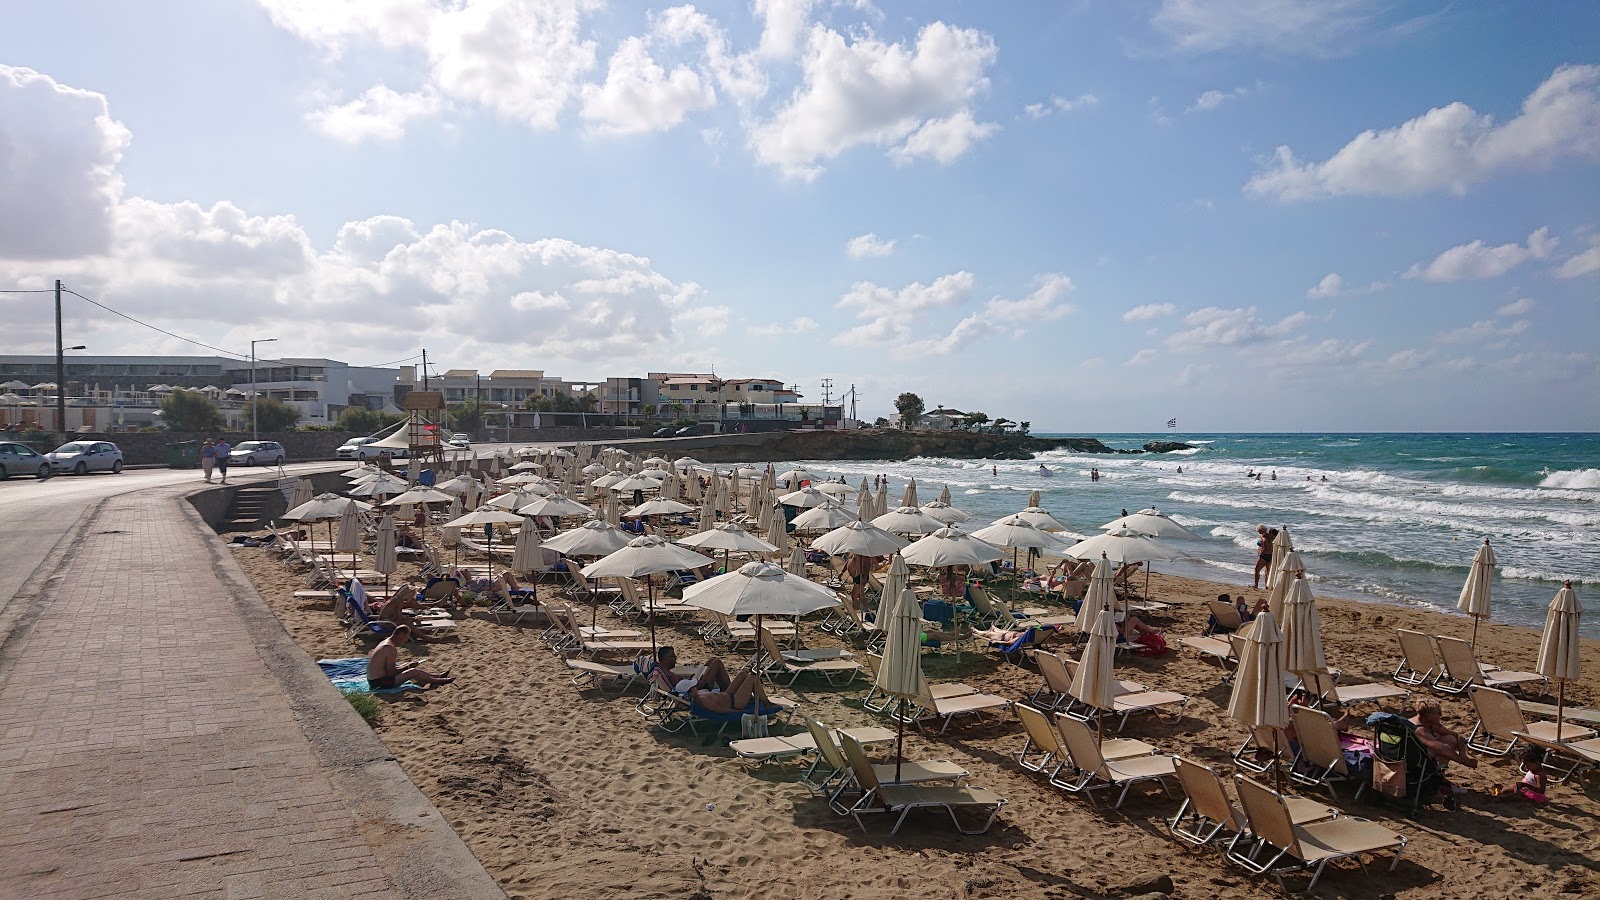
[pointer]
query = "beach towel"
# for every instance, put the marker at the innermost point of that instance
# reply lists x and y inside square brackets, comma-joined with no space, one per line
[349,675]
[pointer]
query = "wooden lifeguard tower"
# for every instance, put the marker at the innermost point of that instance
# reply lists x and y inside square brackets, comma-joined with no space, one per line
[423,410]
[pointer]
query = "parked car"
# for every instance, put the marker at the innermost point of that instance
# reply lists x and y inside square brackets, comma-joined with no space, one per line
[254,453]
[20,459]
[698,428]
[457,442]
[348,449]
[367,452]
[668,431]
[83,457]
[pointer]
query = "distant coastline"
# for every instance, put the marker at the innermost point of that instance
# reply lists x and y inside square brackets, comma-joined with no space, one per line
[894,444]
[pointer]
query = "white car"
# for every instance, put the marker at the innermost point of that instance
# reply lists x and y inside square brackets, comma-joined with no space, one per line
[367,452]
[20,459]
[83,457]
[349,448]
[256,453]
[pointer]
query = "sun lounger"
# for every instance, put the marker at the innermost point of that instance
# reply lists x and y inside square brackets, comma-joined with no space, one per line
[889,798]
[776,661]
[1276,840]
[1582,757]
[1419,661]
[1218,650]
[672,712]
[940,691]
[1320,761]
[1206,809]
[1225,618]
[839,780]
[1056,690]
[941,703]
[588,672]
[1329,689]
[1500,723]
[774,748]
[1031,615]
[1092,771]
[1462,670]
[1043,737]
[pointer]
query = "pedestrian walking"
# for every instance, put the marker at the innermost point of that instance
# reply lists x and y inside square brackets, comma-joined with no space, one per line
[222,449]
[208,458]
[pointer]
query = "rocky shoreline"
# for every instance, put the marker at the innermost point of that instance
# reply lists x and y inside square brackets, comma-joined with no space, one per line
[893,444]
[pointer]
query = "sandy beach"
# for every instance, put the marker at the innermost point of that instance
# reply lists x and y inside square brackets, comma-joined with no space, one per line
[565,792]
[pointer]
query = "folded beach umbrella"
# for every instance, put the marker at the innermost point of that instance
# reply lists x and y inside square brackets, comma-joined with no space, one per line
[900,673]
[696,491]
[303,492]
[949,547]
[452,535]
[613,514]
[1151,522]
[1094,683]
[527,556]
[945,513]
[944,495]
[880,501]
[806,498]
[796,563]
[910,520]
[1474,600]
[1102,592]
[413,469]
[823,518]
[909,498]
[778,530]
[1033,500]
[349,539]
[1281,545]
[1258,700]
[1560,647]
[1302,631]
[1289,568]
[384,557]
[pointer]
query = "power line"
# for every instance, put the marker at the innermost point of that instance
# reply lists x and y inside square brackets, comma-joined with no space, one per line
[38,291]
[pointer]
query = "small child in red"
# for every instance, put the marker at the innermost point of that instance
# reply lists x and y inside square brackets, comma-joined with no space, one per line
[1532,785]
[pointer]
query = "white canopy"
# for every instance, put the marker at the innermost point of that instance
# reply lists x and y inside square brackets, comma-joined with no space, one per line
[759,588]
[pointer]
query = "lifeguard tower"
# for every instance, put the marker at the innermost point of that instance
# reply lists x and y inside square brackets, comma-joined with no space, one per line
[423,411]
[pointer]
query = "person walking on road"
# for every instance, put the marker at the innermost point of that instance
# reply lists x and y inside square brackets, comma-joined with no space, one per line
[208,458]
[222,449]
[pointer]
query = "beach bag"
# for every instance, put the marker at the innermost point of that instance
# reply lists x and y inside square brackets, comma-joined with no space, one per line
[1152,645]
[1389,778]
[753,726]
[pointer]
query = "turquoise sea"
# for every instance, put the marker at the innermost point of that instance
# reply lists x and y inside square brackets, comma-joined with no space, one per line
[1398,519]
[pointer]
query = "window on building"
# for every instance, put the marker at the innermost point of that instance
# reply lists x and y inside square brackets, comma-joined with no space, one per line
[694,387]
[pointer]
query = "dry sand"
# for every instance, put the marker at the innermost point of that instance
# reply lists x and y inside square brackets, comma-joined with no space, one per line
[564,792]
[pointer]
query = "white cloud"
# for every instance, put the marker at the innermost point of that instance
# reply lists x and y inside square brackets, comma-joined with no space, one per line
[738,75]
[1192,373]
[1043,304]
[1408,359]
[1149,311]
[1476,260]
[1210,100]
[523,60]
[1481,330]
[378,114]
[1036,110]
[800,325]
[783,23]
[59,150]
[1060,104]
[1519,307]
[1324,28]
[1332,285]
[868,245]
[1214,326]
[889,315]
[1143,357]
[1304,354]
[640,96]
[1451,147]
[916,101]
[1584,263]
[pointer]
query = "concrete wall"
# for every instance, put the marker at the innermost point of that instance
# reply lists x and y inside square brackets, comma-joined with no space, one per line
[149,448]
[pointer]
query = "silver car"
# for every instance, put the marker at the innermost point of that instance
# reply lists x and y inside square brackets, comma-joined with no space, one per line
[20,459]
[256,453]
[83,457]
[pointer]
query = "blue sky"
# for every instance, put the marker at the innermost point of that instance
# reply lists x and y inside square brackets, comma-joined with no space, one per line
[1252,215]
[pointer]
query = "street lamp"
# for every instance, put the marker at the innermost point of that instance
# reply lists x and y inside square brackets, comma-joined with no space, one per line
[61,383]
[253,344]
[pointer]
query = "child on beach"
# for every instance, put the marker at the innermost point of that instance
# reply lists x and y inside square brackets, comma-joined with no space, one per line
[1532,786]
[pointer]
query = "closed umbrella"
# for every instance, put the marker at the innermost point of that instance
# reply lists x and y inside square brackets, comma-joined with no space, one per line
[1281,545]
[303,492]
[880,500]
[384,557]
[1154,523]
[1093,684]
[472,495]
[613,515]
[909,498]
[900,674]
[1102,592]
[452,536]
[1560,648]
[796,564]
[944,495]
[778,530]
[1289,568]
[349,539]
[1258,700]
[528,556]
[1474,599]
[1302,632]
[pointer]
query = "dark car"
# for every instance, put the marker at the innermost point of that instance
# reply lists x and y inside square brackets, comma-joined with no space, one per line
[20,459]
[691,430]
[668,431]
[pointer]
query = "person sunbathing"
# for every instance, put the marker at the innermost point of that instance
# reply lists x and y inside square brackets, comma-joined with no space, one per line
[383,666]
[404,537]
[713,690]
[1007,636]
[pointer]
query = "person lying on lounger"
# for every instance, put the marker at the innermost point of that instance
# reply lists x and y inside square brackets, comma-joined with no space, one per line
[714,690]
[1004,636]
[383,666]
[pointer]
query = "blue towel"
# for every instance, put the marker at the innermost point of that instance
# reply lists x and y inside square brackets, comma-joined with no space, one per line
[350,676]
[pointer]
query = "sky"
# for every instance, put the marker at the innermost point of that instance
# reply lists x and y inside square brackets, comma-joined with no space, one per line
[1259,215]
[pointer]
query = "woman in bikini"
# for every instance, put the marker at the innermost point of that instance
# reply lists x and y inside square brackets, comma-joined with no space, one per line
[1263,553]
[714,691]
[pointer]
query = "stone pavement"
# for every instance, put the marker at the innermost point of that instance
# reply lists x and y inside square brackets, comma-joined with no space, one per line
[161,736]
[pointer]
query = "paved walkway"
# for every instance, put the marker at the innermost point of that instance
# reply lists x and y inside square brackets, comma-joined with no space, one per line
[161,736]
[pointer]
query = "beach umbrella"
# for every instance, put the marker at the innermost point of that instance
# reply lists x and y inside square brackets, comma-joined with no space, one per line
[613,513]
[796,564]
[729,537]
[349,539]
[1560,648]
[909,498]
[362,470]
[864,492]
[945,513]
[473,494]
[554,506]
[594,469]
[696,490]
[490,516]
[823,518]
[595,537]
[526,466]
[323,506]
[685,463]
[1040,519]
[456,486]
[608,479]
[1474,600]
[944,495]
[423,495]
[515,500]
[806,498]
[1290,567]
[452,536]
[908,520]
[950,547]
[794,476]
[1101,593]
[527,556]
[1033,499]
[900,673]
[1258,700]
[880,500]
[659,506]
[635,483]
[303,492]
[835,488]
[1122,545]
[1281,545]
[1018,534]
[778,530]
[521,478]
[1094,683]
[860,539]
[1302,632]
[1154,523]
[384,557]
[643,557]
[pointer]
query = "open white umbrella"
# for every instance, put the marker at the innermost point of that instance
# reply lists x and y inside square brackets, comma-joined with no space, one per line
[659,506]
[1560,648]
[729,537]
[1102,592]
[554,507]
[1094,684]
[379,486]
[1040,519]
[1302,632]
[823,518]
[608,479]
[323,506]
[456,486]
[526,466]
[908,520]
[900,673]
[1152,522]
[635,483]
[793,477]
[859,538]
[1288,568]
[1474,600]
[950,547]
[423,495]
[595,537]
[593,469]
[521,478]
[1258,700]
[806,498]
[835,488]
[684,463]
[945,513]
[1122,545]
[642,557]
[384,557]
[1018,534]
[515,500]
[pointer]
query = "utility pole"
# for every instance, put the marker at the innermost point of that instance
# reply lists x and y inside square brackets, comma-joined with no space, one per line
[61,374]
[424,368]
[853,403]
[827,391]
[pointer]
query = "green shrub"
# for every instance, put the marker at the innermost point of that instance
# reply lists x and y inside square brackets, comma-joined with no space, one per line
[367,705]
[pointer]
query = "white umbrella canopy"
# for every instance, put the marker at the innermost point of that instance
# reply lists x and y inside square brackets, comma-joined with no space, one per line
[1258,700]
[835,488]
[900,674]
[1560,648]
[1101,593]
[515,500]
[1043,522]
[303,492]
[1094,683]
[1019,533]
[362,470]
[1278,589]
[730,536]
[945,513]
[659,506]
[1474,600]
[909,498]
[413,469]
[1302,631]
[526,466]
[488,515]
[645,555]
[522,478]
[377,487]
[950,547]
[759,589]
[749,472]
[323,506]
[806,497]
[608,479]
[908,520]
[794,476]
[349,539]
[595,537]
[657,461]
[473,496]
[419,495]
[860,538]
[593,469]
[554,506]
[1151,522]
[823,518]
[1124,546]
[685,462]
[636,483]
[456,486]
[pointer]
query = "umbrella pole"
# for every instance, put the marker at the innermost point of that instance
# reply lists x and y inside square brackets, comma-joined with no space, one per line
[650,594]
[1277,766]
[491,552]
[900,741]
[1475,632]
[1561,705]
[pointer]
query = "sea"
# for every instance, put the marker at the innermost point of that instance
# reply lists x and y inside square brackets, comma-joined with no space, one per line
[1397,519]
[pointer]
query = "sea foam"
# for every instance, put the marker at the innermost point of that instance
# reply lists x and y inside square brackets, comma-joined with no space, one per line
[1572,478]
